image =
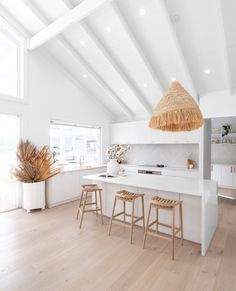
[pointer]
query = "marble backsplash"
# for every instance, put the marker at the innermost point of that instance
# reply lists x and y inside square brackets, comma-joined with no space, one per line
[171,155]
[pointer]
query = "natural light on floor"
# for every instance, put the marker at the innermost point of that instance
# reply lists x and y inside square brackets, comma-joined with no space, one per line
[9,128]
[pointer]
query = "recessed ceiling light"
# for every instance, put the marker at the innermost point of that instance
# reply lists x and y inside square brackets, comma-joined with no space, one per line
[207,71]
[173,79]
[82,42]
[108,29]
[145,85]
[85,76]
[142,12]
[122,90]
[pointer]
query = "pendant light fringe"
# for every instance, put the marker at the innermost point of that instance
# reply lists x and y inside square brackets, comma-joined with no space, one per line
[176,111]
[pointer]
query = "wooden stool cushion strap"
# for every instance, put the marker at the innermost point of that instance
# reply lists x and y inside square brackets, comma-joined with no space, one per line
[90,187]
[126,195]
[164,203]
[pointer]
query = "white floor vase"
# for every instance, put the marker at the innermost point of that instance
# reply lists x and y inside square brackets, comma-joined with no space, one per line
[34,196]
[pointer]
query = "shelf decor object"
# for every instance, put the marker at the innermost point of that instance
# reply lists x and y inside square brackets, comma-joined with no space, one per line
[176,111]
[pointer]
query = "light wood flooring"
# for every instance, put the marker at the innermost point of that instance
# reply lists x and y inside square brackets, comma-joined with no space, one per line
[46,251]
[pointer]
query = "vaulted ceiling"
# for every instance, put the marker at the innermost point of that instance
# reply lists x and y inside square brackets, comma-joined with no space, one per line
[126,52]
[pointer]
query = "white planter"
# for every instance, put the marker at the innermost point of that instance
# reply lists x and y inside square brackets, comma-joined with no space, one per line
[34,195]
[113,167]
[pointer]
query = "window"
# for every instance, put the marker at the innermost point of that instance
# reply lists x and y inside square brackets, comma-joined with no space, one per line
[11,60]
[9,128]
[74,143]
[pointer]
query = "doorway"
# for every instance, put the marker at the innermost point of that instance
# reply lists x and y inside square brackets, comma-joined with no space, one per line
[9,137]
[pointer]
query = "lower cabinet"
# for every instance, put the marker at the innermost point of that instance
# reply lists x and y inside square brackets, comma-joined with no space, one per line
[225,175]
[65,187]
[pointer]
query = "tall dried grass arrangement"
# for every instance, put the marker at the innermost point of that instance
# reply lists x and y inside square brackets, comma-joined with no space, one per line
[35,164]
[176,111]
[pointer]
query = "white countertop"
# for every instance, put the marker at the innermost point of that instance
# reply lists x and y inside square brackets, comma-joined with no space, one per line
[74,168]
[190,186]
[154,168]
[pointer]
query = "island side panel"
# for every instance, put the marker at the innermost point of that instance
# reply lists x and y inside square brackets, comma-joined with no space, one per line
[209,216]
[191,208]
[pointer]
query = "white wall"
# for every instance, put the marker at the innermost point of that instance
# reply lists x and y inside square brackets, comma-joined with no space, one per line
[218,104]
[50,94]
[171,155]
[223,153]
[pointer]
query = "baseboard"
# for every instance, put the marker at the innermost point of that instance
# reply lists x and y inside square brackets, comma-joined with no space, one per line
[50,205]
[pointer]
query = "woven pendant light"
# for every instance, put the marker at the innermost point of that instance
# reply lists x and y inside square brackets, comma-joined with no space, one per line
[176,111]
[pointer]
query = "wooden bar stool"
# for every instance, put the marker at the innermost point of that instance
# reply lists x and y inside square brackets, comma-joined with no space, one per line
[165,204]
[126,196]
[85,189]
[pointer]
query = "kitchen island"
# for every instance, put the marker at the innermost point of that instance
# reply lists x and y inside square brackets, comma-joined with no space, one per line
[200,201]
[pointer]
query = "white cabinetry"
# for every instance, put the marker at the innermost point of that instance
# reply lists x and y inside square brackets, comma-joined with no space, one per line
[65,187]
[225,175]
[138,132]
[234,176]
[215,172]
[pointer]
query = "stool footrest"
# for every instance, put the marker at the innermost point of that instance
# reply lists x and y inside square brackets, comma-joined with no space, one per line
[118,214]
[90,210]
[137,219]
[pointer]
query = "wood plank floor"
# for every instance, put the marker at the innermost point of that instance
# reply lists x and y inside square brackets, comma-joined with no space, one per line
[46,250]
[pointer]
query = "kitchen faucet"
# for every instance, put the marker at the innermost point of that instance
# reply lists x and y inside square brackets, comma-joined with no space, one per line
[81,160]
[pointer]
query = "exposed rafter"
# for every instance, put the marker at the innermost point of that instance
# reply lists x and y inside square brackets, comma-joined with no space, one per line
[137,46]
[224,47]
[119,68]
[8,18]
[81,60]
[58,26]
[162,7]
[115,64]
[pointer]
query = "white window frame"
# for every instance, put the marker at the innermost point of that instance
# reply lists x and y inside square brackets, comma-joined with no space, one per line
[55,122]
[20,62]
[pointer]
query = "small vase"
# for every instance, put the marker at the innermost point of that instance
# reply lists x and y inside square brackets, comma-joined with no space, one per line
[113,167]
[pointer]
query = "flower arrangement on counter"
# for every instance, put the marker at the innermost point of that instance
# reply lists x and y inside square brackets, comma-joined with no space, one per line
[117,152]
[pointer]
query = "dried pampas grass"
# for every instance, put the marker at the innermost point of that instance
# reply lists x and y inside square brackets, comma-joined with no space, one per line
[34,165]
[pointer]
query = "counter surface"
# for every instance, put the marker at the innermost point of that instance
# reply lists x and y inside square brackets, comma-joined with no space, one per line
[190,186]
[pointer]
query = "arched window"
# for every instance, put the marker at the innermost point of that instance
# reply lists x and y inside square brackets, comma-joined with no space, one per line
[11,63]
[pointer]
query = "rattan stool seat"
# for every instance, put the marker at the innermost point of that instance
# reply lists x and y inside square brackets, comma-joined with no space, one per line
[126,195]
[163,203]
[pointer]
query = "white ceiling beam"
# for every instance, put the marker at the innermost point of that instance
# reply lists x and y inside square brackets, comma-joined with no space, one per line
[162,7]
[61,24]
[36,11]
[95,75]
[118,68]
[116,65]
[7,17]
[224,48]
[138,47]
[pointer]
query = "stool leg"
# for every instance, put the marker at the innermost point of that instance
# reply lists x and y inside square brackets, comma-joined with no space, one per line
[173,234]
[124,210]
[132,223]
[146,229]
[143,213]
[181,222]
[80,203]
[96,201]
[157,219]
[82,216]
[100,198]
[113,211]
